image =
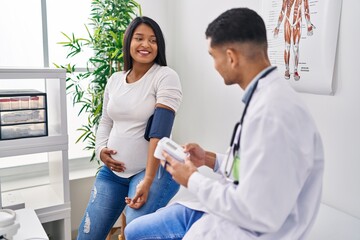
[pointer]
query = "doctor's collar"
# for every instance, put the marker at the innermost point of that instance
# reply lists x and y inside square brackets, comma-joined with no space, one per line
[250,88]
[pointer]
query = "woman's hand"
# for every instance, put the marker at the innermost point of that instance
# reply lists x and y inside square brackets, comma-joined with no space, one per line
[106,158]
[141,195]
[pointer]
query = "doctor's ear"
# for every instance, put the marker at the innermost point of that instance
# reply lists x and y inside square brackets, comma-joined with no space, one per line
[232,57]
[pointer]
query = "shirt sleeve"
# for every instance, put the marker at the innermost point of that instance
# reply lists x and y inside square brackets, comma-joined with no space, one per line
[169,90]
[106,123]
[218,161]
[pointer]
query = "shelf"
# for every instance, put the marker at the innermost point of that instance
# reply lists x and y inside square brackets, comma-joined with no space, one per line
[54,213]
[50,200]
[24,146]
[31,73]
[47,203]
[39,197]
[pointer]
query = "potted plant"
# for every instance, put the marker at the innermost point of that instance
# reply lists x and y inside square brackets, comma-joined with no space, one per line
[108,21]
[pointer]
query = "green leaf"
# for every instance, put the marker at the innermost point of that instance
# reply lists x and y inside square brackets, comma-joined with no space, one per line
[66,36]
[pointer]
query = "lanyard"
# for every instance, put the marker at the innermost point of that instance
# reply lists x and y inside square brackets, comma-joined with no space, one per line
[235,146]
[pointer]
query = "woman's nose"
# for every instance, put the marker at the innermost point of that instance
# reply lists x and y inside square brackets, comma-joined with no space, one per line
[145,43]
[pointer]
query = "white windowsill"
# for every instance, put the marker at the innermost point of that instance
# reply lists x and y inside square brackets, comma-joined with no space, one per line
[22,177]
[82,168]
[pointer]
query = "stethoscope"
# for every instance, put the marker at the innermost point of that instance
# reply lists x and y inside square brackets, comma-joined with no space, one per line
[235,145]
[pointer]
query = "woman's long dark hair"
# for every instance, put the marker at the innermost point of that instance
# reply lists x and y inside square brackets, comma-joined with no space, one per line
[160,58]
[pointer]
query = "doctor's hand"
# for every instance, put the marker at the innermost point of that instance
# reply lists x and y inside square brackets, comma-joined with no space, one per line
[197,154]
[106,158]
[180,171]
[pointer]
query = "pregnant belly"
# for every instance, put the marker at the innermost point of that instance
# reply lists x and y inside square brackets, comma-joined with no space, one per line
[131,151]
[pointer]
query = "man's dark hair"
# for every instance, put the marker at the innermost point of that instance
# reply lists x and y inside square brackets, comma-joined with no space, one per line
[160,58]
[241,25]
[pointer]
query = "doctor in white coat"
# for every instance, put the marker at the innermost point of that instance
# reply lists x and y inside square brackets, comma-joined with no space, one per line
[272,173]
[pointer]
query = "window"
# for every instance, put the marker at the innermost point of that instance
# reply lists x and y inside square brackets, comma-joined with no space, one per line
[21,33]
[29,38]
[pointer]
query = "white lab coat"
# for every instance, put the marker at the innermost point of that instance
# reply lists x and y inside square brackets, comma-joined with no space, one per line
[281,171]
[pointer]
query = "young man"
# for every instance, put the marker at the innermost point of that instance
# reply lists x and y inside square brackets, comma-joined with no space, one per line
[272,175]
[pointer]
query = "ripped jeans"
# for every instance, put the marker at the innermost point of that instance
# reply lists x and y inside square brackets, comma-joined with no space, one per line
[107,201]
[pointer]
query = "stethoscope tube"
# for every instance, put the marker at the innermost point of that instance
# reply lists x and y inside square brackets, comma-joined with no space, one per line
[235,146]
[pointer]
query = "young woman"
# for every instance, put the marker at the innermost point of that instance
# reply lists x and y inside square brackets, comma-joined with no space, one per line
[126,139]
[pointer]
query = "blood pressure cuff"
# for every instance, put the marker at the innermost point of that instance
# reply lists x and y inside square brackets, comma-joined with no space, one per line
[159,124]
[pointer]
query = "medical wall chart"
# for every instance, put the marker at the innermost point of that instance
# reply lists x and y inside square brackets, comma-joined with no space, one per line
[302,37]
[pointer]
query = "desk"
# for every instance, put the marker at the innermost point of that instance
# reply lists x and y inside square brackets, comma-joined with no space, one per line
[30,226]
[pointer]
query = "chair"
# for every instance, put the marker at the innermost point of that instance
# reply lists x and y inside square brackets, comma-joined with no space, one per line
[120,224]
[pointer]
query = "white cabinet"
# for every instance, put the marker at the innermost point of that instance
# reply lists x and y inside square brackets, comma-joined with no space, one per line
[50,200]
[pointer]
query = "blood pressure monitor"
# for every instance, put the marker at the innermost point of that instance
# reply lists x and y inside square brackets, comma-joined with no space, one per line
[171,147]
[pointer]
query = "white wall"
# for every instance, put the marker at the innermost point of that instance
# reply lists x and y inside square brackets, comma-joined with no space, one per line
[338,118]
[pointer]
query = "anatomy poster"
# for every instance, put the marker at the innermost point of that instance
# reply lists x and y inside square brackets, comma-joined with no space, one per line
[302,37]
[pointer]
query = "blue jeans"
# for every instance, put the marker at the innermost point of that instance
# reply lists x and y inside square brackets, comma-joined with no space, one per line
[171,222]
[107,201]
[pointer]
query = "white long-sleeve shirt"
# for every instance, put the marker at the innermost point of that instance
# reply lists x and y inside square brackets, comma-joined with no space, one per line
[281,170]
[126,110]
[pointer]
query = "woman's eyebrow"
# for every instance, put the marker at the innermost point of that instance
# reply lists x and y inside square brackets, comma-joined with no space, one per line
[141,34]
